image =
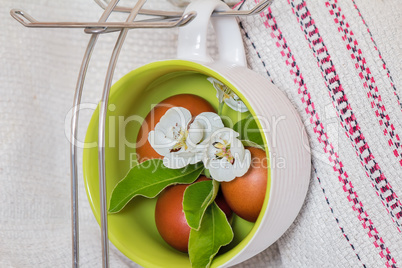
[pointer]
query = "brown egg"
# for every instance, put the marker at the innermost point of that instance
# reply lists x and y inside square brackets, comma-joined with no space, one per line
[245,195]
[170,219]
[193,103]
[223,205]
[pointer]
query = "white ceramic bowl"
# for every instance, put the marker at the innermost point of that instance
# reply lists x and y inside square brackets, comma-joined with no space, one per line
[286,140]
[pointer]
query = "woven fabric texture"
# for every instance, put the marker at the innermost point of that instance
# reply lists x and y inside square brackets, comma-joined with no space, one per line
[338,61]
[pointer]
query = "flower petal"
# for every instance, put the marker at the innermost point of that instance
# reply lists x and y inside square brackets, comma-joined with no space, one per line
[241,166]
[164,137]
[160,142]
[226,134]
[221,170]
[237,149]
[181,159]
[195,134]
[217,85]
[226,157]
[178,117]
[220,135]
[210,122]
[234,102]
[237,105]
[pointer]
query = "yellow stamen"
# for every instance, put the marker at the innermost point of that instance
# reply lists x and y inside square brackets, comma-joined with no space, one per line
[227,92]
[181,142]
[224,151]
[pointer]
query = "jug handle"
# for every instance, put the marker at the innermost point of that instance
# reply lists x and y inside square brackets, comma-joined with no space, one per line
[192,40]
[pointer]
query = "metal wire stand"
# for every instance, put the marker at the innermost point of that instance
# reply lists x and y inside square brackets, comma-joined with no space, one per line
[163,19]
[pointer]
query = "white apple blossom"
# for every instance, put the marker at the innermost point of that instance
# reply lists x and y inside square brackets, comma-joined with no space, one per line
[209,122]
[182,140]
[226,158]
[225,94]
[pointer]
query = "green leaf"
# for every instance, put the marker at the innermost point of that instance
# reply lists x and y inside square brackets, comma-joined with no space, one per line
[148,179]
[206,173]
[249,130]
[251,144]
[197,197]
[214,233]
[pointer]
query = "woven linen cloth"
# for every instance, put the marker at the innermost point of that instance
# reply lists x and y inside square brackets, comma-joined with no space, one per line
[339,62]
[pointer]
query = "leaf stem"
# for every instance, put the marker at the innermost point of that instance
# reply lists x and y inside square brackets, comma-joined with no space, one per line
[220,109]
[206,173]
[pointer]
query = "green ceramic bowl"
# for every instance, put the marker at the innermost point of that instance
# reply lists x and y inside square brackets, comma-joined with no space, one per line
[133,230]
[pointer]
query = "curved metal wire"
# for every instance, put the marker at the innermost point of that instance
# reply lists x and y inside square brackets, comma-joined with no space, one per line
[101,133]
[168,19]
[74,134]
[102,26]
[256,9]
[166,23]
[103,4]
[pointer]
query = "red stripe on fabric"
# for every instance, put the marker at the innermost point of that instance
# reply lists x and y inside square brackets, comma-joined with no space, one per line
[384,65]
[367,78]
[238,5]
[322,136]
[374,169]
[345,113]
